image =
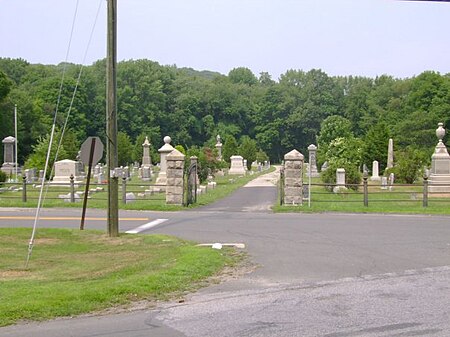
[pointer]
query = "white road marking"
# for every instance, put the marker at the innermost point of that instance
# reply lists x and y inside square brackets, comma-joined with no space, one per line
[146,226]
[237,245]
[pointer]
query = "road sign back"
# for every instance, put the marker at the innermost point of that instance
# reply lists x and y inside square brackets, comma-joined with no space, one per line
[86,148]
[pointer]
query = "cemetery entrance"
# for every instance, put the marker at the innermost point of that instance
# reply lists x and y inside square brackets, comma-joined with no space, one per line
[191,183]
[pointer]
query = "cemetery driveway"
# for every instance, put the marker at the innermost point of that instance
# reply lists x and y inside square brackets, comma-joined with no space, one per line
[259,195]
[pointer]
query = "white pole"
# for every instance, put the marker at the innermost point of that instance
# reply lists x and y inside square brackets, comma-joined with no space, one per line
[309,184]
[15,127]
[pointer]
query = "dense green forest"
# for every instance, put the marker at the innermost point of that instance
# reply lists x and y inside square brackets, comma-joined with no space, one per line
[299,109]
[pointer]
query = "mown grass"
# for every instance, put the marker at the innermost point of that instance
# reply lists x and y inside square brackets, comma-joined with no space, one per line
[73,272]
[400,199]
[155,202]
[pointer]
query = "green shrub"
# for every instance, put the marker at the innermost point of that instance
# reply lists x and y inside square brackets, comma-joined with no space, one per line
[343,153]
[352,175]
[408,165]
[3,177]
[207,161]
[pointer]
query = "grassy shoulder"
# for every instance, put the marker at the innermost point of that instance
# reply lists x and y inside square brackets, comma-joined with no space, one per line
[74,272]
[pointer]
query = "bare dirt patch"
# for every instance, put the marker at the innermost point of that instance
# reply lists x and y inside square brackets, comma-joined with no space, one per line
[13,274]
[47,241]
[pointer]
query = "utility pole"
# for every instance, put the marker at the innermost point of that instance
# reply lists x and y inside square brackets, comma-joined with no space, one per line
[111,121]
[15,145]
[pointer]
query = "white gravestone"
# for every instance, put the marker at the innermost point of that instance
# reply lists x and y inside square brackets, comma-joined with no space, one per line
[30,175]
[145,173]
[219,147]
[8,155]
[391,181]
[64,169]
[312,167]
[390,159]
[375,171]
[384,183]
[340,180]
[146,168]
[41,176]
[146,159]
[237,165]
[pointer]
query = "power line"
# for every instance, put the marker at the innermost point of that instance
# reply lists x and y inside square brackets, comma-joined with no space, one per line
[40,200]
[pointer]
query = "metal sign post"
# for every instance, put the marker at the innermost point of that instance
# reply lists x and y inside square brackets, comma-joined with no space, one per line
[95,153]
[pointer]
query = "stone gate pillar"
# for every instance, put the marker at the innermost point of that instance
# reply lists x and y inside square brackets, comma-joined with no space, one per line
[175,178]
[293,178]
[164,151]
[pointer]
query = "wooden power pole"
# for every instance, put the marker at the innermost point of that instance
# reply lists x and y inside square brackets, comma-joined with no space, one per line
[111,121]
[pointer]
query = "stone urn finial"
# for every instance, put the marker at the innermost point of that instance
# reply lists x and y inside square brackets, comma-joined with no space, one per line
[440,131]
[167,139]
[146,142]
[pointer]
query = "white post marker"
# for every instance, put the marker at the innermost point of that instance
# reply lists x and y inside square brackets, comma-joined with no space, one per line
[146,226]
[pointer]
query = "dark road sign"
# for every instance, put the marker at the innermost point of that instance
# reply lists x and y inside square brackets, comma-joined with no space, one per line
[86,148]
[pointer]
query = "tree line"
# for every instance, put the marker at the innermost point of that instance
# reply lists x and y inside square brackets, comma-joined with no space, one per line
[193,107]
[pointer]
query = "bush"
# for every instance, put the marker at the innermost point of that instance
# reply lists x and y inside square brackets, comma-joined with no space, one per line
[207,161]
[3,177]
[343,153]
[408,166]
[352,175]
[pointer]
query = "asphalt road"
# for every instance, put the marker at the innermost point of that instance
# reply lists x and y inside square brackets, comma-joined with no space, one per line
[330,275]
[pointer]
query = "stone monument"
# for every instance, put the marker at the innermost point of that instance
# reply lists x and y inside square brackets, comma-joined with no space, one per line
[390,159]
[384,183]
[219,147]
[146,171]
[64,169]
[164,151]
[375,171]
[391,180]
[312,155]
[237,165]
[9,163]
[340,180]
[30,175]
[439,180]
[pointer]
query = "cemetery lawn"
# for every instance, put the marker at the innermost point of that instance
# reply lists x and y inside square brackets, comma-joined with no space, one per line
[155,202]
[406,199]
[73,272]
[227,185]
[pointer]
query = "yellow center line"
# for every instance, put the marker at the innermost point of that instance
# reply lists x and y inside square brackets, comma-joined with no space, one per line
[66,218]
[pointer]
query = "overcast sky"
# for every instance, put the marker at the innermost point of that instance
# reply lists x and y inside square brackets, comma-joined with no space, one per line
[341,37]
